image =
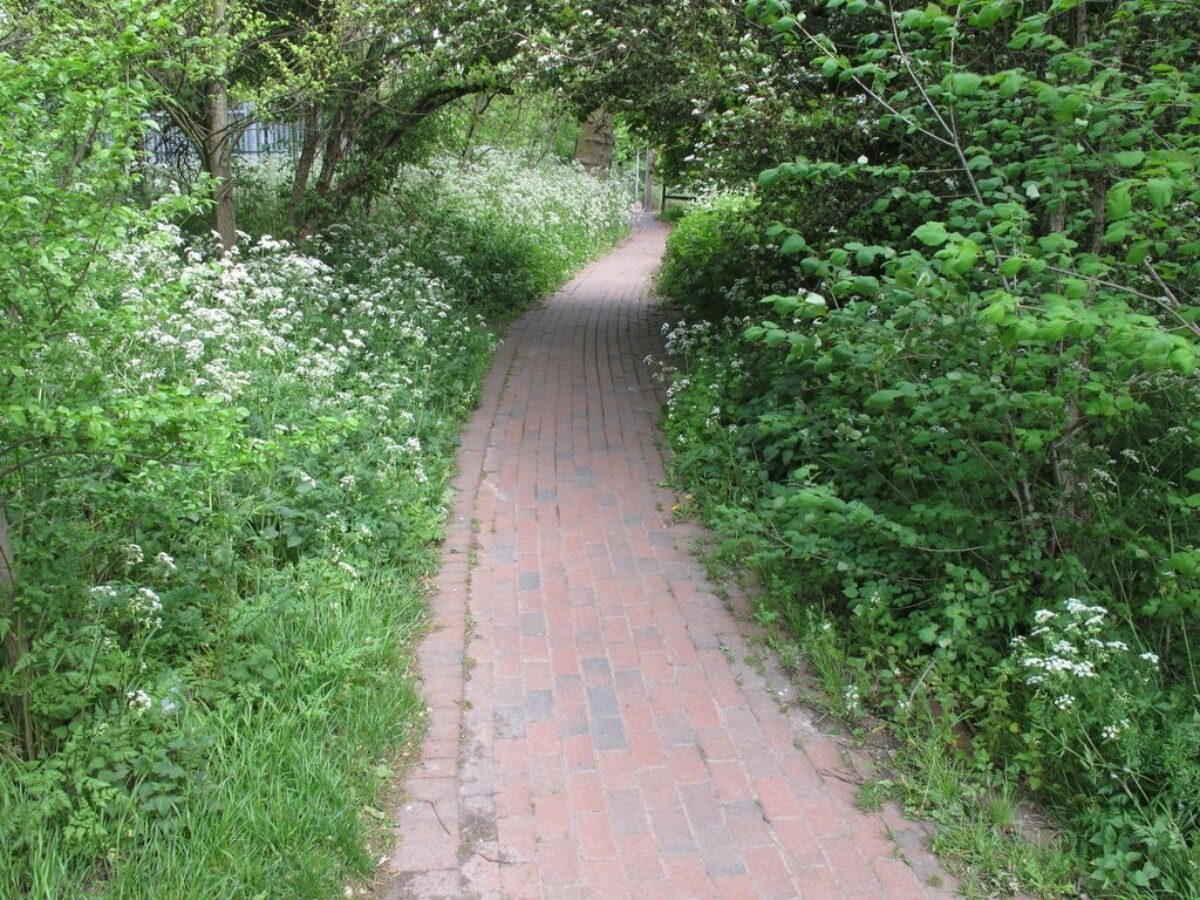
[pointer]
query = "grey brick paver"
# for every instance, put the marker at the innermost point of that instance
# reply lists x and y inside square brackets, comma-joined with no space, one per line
[607,744]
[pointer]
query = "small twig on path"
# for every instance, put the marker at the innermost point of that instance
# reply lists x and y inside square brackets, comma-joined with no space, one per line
[433,806]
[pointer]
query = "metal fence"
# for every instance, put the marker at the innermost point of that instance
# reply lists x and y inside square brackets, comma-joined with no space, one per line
[166,145]
[282,138]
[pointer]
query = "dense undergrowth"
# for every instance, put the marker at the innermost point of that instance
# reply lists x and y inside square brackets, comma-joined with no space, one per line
[938,389]
[884,470]
[219,586]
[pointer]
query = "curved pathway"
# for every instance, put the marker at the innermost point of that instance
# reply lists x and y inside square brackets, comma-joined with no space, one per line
[593,729]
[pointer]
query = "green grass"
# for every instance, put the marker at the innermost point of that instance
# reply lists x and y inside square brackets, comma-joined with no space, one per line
[285,800]
[291,779]
[243,742]
[978,833]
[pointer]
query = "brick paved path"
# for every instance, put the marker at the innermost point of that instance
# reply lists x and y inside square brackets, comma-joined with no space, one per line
[594,730]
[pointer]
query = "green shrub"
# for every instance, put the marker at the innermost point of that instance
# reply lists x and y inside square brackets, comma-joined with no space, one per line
[904,514]
[708,255]
[964,403]
[220,596]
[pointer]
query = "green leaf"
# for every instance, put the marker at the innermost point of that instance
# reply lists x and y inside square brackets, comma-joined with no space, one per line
[964,84]
[792,245]
[1008,83]
[989,15]
[963,260]
[999,309]
[932,234]
[1130,158]
[775,336]
[1118,201]
[1160,191]
[1012,266]
[881,400]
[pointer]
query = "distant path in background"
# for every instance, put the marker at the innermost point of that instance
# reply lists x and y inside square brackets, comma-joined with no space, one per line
[594,728]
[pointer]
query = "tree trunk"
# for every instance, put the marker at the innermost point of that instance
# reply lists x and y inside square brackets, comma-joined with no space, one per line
[16,644]
[482,102]
[1083,30]
[218,147]
[332,154]
[220,165]
[594,149]
[331,157]
[376,150]
[304,165]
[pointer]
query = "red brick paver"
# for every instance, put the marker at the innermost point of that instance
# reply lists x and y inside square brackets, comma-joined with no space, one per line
[593,729]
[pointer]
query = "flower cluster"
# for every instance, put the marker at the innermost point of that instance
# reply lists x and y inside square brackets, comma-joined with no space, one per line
[1069,662]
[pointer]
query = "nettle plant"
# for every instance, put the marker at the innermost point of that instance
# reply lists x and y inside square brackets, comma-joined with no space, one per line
[980,398]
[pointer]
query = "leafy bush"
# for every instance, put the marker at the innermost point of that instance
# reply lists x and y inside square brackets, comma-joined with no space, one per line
[707,256]
[218,597]
[971,414]
[504,232]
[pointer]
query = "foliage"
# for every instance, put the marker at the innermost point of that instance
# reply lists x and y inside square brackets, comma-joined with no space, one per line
[219,596]
[525,227]
[71,121]
[973,400]
[536,124]
[707,256]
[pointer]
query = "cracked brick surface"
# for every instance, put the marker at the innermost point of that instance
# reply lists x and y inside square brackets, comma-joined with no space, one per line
[594,729]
